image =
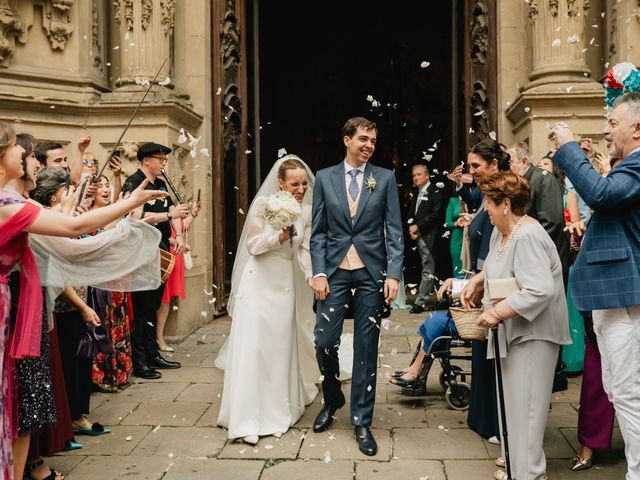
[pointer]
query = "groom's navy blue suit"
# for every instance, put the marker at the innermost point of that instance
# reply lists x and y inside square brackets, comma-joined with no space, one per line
[376,233]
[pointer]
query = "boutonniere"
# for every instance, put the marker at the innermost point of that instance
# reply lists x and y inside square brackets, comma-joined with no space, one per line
[370,183]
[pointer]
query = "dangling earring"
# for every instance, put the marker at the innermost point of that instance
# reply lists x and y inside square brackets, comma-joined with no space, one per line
[1,171]
[53,199]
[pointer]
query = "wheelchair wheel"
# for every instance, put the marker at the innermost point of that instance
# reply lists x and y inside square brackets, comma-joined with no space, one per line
[458,396]
[443,376]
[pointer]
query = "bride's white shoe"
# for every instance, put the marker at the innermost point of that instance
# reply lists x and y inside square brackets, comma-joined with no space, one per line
[251,439]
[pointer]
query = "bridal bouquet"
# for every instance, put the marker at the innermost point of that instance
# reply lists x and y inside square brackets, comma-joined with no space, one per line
[281,209]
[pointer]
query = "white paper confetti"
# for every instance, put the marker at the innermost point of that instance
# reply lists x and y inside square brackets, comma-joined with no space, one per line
[556,43]
[165,82]
[425,64]
[128,438]
[282,152]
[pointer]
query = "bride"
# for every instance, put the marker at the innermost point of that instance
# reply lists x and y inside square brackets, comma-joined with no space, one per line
[269,358]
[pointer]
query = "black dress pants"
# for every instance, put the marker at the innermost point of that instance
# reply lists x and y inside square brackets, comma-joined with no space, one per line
[76,370]
[143,337]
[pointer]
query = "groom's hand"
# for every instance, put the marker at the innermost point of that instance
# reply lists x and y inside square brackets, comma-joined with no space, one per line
[390,290]
[321,287]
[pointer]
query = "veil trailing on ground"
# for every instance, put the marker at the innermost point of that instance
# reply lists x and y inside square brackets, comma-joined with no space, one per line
[305,317]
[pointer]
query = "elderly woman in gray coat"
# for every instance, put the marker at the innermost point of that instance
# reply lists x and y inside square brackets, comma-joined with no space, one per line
[534,314]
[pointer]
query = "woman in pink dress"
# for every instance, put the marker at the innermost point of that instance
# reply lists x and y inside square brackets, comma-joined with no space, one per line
[17,218]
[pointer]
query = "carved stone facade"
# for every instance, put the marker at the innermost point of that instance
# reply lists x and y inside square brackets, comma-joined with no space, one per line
[75,67]
[11,27]
[68,68]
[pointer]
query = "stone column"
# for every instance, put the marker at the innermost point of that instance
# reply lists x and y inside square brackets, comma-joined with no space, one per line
[143,39]
[558,30]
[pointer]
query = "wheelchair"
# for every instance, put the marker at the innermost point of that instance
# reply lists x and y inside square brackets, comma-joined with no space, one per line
[453,378]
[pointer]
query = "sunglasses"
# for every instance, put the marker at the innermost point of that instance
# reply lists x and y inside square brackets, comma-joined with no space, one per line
[90,163]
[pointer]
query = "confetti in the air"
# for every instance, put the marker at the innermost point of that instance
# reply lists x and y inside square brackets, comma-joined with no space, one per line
[165,82]
[282,152]
[556,43]
[425,64]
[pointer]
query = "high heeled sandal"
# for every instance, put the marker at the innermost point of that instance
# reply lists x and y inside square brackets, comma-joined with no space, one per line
[30,467]
[580,463]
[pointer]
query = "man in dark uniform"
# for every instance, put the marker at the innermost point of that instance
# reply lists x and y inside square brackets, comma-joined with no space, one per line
[145,353]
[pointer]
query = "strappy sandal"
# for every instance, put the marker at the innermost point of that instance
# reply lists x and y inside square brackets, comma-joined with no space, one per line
[580,463]
[53,474]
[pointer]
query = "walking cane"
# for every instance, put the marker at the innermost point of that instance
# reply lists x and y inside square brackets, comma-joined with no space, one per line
[503,414]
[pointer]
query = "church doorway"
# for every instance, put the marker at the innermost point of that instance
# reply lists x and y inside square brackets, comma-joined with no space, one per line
[398,66]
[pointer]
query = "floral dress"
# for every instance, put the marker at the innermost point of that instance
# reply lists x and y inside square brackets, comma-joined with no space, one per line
[111,370]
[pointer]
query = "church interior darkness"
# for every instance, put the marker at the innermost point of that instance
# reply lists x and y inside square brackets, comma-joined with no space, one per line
[312,76]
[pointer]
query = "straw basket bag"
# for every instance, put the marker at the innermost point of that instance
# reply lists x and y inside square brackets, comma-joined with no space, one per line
[466,325]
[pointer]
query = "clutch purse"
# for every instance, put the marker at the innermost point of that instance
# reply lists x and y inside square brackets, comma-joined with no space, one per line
[501,288]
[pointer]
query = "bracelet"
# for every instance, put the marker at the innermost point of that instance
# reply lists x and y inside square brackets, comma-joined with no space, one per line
[178,234]
[142,215]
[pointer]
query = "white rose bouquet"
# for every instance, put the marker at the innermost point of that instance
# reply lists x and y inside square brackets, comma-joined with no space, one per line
[281,209]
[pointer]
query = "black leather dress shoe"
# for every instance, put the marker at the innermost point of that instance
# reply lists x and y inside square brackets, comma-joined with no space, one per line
[324,419]
[143,371]
[416,308]
[162,363]
[366,443]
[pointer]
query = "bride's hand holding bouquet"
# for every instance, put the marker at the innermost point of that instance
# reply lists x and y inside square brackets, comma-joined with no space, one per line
[281,210]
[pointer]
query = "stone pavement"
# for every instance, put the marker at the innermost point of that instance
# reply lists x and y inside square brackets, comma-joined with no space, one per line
[167,430]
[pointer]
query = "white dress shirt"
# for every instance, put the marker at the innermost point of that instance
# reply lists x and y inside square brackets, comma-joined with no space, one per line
[421,195]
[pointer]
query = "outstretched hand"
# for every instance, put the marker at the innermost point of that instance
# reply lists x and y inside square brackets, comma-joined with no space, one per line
[140,195]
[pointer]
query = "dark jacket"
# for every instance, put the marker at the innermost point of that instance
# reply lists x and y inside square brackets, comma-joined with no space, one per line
[606,273]
[547,207]
[428,218]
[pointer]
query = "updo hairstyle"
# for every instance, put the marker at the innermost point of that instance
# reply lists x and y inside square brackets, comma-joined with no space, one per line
[488,149]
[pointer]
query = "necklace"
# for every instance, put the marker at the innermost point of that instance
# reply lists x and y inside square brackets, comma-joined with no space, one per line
[502,248]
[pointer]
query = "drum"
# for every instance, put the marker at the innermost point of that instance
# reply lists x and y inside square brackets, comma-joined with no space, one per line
[167,262]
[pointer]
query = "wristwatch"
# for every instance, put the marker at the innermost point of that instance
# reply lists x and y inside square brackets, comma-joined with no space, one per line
[169,215]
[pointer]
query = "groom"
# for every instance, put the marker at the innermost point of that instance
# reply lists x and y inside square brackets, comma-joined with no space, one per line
[357,255]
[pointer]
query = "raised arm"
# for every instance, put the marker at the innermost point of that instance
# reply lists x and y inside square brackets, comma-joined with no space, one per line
[620,188]
[260,239]
[50,222]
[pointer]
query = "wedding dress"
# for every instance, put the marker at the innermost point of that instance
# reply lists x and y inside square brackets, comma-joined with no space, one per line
[264,392]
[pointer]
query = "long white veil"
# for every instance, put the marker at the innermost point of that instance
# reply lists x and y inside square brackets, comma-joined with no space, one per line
[269,186]
[305,317]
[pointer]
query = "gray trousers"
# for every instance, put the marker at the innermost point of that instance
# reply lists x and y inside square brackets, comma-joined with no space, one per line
[527,375]
[425,249]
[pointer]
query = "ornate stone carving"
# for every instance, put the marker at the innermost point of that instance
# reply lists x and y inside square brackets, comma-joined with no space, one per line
[57,22]
[553,7]
[96,46]
[533,10]
[230,38]
[145,16]
[11,26]
[479,34]
[232,122]
[168,8]
[572,10]
[613,49]
[479,110]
